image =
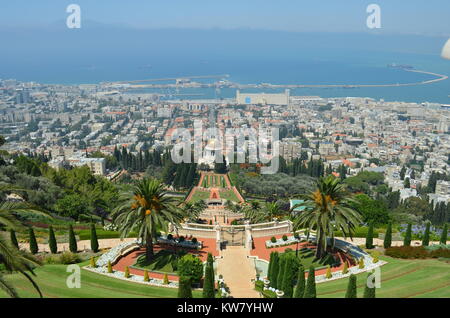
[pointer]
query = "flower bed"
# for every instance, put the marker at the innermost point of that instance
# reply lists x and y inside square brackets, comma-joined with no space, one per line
[289,241]
[194,244]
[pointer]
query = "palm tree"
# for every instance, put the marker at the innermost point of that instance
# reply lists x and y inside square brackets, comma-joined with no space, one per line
[193,210]
[272,210]
[147,208]
[328,208]
[12,259]
[253,212]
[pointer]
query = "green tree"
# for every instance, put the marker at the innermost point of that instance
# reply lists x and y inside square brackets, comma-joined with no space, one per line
[14,242]
[281,272]
[369,238]
[146,209]
[190,266]
[184,287]
[444,234]
[52,241]
[426,235]
[275,268]
[72,240]
[369,292]
[407,183]
[288,278]
[94,240]
[208,285]
[351,287]
[388,236]
[33,243]
[300,286]
[310,290]
[327,208]
[408,235]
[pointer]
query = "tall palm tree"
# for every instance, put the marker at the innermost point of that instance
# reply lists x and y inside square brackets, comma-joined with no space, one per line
[12,259]
[147,208]
[272,210]
[327,209]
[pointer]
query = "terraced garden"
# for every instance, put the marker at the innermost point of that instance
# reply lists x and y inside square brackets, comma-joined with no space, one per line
[400,279]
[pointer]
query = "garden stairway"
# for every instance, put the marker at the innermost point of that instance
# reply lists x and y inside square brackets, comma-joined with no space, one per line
[238,271]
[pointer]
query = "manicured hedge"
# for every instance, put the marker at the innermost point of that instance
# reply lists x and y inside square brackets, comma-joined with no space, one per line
[101,234]
[410,252]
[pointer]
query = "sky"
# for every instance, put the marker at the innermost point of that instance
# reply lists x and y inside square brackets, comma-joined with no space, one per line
[398,16]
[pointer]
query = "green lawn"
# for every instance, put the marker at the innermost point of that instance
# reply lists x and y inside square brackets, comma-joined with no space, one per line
[52,281]
[228,195]
[199,195]
[307,259]
[399,279]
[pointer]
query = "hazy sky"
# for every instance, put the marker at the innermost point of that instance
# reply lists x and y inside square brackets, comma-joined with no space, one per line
[430,17]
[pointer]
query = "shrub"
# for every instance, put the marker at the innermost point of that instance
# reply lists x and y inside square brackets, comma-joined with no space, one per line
[170,237]
[72,240]
[407,252]
[273,239]
[190,266]
[181,239]
[127,272]
[285,238]
[345,269]
[146,277]
[300,287]
[69,258]
[408,234]
[110,269]
[444,234]
[426,235]
[375,259]
[94,240]
[12,235]
[351,287]
[310,290]
[329,275]
[361,263]
[92,262]
[440,253]
[296,236]
[52,241]
[166,279]
[33,244]
[184,287]
[388,236]
[194,240]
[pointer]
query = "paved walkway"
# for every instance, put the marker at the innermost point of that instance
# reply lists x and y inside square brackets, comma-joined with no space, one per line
[82,245]
[237,271]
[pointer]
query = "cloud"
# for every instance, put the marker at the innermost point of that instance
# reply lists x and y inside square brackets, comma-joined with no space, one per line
[446,50]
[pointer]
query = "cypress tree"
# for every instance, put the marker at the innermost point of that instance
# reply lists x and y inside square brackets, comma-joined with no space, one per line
[351,287]
[146,278]
[426,235]
[33,244]
[166,279]
[345,269]
[443,239]
[72,240]
[13,237]
[300,287]
[288,277]
[52,241]
[281,272]
[310,290]
[94,240]
[269,270]
[388,236]
[184,287]
[369,238]
[329,274]
[127,272]
[369,292]
[408,234]
[208,285]
[110,269]
[275,270]
[92,262]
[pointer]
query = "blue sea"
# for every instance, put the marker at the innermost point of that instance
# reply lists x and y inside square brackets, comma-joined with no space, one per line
[93,56]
